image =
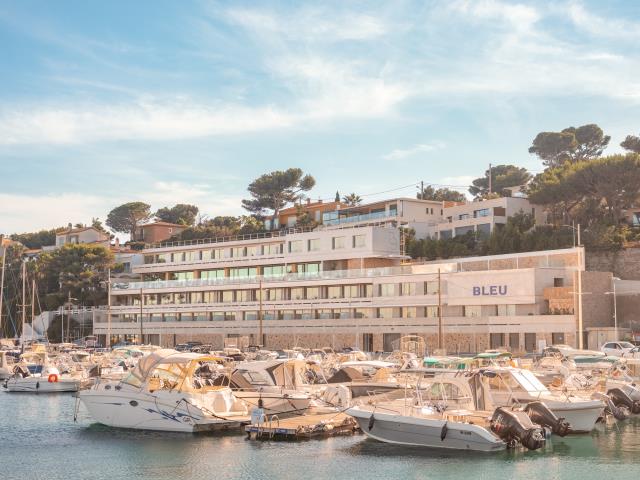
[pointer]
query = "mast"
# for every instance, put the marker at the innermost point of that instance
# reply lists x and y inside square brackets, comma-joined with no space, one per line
[33,305]
[4,256]
[108,341]
[440,342]
[260,335]
[24,297]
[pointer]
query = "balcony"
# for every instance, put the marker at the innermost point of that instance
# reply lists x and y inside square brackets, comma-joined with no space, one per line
[365,217]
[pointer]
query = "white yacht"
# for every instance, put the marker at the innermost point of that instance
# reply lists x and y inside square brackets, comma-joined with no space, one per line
[440,413]
[507,386]
[163,392]
[5,368]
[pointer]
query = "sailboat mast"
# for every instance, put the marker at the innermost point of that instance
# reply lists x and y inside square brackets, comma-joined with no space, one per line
[4,256]
[24,299]
[33,305]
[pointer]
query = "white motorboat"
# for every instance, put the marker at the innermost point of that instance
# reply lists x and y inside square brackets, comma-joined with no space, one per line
[163,392]
[273,385]
[35,374]
[441,415]
[507,386]
[5,368]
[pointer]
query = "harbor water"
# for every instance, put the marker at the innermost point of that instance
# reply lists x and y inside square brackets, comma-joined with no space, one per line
[40,440]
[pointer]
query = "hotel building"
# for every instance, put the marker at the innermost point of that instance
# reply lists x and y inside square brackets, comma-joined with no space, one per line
[343,287]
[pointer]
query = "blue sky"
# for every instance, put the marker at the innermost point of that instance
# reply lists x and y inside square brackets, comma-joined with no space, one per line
[168,102]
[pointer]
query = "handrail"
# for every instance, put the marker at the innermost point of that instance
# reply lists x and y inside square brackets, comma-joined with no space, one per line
[231,238]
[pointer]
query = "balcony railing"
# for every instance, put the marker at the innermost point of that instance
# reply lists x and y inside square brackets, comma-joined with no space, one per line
[359,218]
[289,277]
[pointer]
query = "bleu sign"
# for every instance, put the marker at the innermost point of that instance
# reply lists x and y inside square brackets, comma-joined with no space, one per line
[489,290]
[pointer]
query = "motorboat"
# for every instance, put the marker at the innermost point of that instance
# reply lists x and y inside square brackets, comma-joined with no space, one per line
[507,386]
[277,386]
[5,368]
[366,378]
[440,413]
[164,392]
[35,374]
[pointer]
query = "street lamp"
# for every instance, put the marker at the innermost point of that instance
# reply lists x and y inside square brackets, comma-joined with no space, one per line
[69,298]
[576,229]
[615,306]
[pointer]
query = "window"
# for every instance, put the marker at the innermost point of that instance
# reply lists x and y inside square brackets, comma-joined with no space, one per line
[253,251]
[361,313]
[385,312]
[484,212]
[182,298]
[237,252]
[217,254]
[473,311]
[514,341]
[308,268]
[245,295]
[412,312]
[297,293]
[227,296]
[210,297]
[272,249]
[338,243]
[350,291]
[243,272]
[218,316]
[431,288]
[313,244]
[506,310]
[166,298]
[390,341]
[558,282]
[251,315]
[367,342]
[387,289]
[229,316]
[273,294]
[183,276]
[359,241]
[431,312]
[313,293]
[196,297]
[557,338]
[530,342]
[334,291]
[273,270]
[324,314]
[463,216]
[408,289]
[496,340]
[295,246]
[286,315]
[211,274]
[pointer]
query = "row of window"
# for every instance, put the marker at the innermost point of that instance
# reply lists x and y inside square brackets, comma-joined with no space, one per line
[237,272]
[293,246]
[305,314]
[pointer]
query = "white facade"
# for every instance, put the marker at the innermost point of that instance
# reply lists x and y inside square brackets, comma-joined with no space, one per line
[353,295]
[483,216]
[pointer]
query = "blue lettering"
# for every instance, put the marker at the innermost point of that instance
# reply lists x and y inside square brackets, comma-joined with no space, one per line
[476,291]
[493,290]
[502,289]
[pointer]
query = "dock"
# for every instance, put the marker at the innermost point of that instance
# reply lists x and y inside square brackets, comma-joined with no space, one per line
[302,427]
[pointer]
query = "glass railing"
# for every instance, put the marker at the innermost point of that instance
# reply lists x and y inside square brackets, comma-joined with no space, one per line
[360,218]
[289,277]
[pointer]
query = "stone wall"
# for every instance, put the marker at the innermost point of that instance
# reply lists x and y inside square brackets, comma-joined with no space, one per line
[624,264]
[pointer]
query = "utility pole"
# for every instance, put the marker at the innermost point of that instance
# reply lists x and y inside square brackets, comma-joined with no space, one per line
[68,318]
[615,311]
[141,320]
[490,180]
[580,324]
[260,334]
[440,334]
[4,256]
[421,189]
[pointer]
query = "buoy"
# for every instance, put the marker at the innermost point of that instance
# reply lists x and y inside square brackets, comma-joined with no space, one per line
[53,378]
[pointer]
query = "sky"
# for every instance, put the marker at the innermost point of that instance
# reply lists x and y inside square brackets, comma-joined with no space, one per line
[170,102]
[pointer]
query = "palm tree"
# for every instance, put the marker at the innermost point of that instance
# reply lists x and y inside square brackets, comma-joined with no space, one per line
[352,200]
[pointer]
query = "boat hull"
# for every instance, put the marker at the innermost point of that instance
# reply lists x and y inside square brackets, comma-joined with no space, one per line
[144,411]
[41,385]
[423,432]
[274,403]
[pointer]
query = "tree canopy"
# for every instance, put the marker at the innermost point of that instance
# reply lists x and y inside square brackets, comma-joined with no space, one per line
[222,226]
[273,191]
[603,188]
[631,143]
[352,200]
[502,177]
[128,216]
[441,195]
[38,239]
[570,145]
[181,214]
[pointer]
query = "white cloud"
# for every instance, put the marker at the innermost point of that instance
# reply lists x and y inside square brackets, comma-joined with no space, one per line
[517,16]
[147,120]
[459,182]
[309,24]
[601,26]
[401,153]
[22,213]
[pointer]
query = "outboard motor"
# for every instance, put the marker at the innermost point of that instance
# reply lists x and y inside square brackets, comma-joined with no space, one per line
[541,414]
[622,399]
[516,427]
[610,407]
